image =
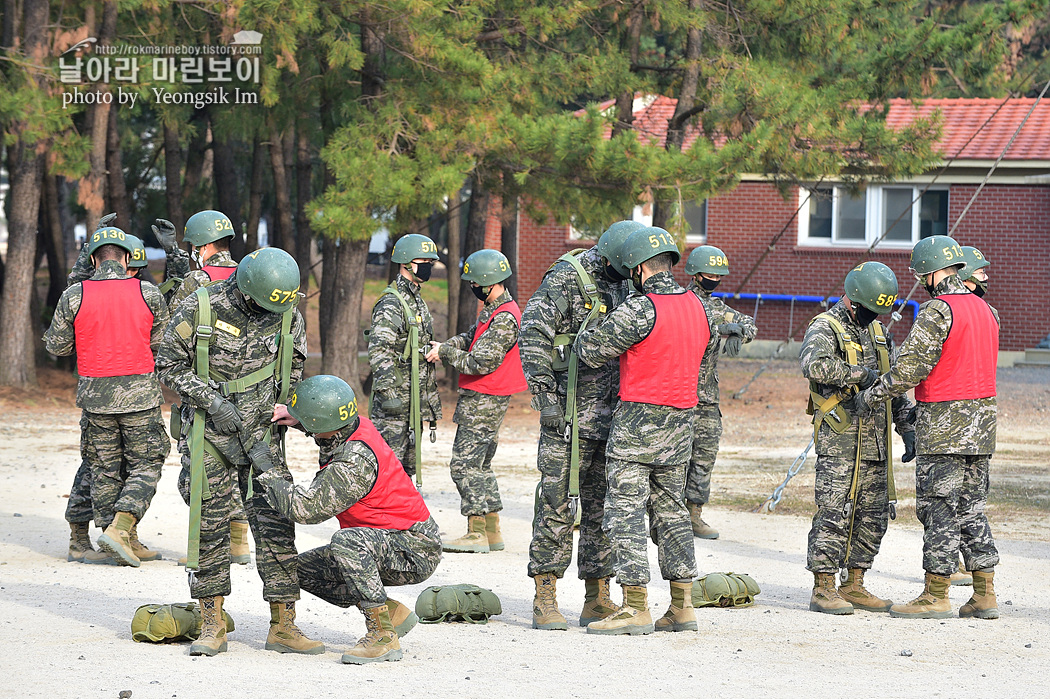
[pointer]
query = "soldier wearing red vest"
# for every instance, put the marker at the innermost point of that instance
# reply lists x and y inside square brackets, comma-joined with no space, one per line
[489,363]
[114,323]
[949,357]
[660,336]
[386,535]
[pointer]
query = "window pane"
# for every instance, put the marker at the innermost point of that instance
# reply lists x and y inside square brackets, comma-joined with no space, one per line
[696,216]
[896,203]
[933,214]
[851,216]
[820,213]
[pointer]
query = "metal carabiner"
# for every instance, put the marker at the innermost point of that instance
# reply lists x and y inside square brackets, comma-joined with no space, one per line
[433,432]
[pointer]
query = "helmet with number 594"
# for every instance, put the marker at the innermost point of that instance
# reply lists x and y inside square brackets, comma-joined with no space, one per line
[270,278]
[707,259]
[323,403]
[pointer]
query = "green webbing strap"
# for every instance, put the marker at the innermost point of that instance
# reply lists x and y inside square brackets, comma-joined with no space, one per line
[198,477]
[882,354]
[850,508]
[285,350]
[824,409]
[411,352]
[168,285]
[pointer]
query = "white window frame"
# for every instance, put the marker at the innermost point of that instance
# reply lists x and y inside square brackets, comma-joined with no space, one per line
[874,221]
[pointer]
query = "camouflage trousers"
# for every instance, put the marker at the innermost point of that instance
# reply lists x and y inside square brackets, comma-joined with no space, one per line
[397,433]
[830,530]
[471,468]
[706,431]
[353,569]
[635,489]
[125,453]
[951,492]
[275,553]
[551,548]
[237,514]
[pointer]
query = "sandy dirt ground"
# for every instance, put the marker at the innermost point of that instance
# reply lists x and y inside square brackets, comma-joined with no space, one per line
[65,627]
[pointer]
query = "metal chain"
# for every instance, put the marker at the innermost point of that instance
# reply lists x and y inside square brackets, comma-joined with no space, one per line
[773,500]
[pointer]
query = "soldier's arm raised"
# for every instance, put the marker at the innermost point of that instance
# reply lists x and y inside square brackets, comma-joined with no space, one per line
[82,268]
[490,349]
[336,487]
[628,324]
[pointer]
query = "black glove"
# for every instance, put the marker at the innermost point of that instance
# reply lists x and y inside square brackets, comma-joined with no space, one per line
[870,377]
[731,329]
[260,456]
[224,416]
[165,232]
[105,221]
[909,446]
[732,344]
[392,405]
[858,405]
[552,417]
[912,415]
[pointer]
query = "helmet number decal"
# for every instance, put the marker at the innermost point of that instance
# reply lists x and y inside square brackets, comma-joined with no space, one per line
[885,300]
[138,254]
[717,261]
[656,239]
[295,397]
[105,233]
[349,410]
[466,268]
[952,252]
[282,297]
[223,224]
[428,246]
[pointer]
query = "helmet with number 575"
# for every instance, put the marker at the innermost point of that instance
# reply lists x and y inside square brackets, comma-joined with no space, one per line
[206,227]
[270,278]
[872,285]
[486,267]
[323,403]
[646,243]
[935,253]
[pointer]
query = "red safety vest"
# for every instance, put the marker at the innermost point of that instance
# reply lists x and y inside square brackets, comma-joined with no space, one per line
[663,368]
[214,272]
[393,502]
[966,369]
[112,329]
[509,377]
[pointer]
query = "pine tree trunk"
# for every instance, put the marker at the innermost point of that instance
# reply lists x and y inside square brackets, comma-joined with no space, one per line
[195,152]
[304,236]
[227,190]
[255,194]
[53,241]
[282,236]
[343,286]
[508,220]
[116,186]
[91,191]
[455,254]
[630,43]
[173,177]
[473,240]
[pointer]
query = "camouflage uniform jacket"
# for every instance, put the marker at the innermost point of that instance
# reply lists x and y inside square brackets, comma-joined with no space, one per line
[386,346]
[558,308]
[824,363]
[491,348]
[640,432]
[244,341]
[176,266]
[348,473]
[948,427]
[108,394]
[191,281]
[717,310]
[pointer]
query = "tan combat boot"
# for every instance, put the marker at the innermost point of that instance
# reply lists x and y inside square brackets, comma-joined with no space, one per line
[239,551]
[493,531]
[403,618]
[141,551]
[854,592]
[117,539]
[680,616]
[79,541]
[825,598]
[961,577]
[931,604]
[212,640]
[982,603]
[285,636]
[701,529]
[476,540]
[633,618]
[597,602]
[545,614]
[380,640]
[99,558]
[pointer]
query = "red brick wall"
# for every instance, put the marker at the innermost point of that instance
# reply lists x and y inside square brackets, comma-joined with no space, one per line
[1007,222]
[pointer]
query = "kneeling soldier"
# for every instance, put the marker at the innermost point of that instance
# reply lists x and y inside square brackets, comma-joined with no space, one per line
[387,535]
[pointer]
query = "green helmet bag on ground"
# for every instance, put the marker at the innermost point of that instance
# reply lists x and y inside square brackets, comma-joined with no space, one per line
[610,245]
[110,236]
[725,590]
[206,227]
[323,403]
[413,247]
[872,285]
[463,602]
[270,278]
[486,267]
[159,623]
[935,253]
[707,259]
[646,243]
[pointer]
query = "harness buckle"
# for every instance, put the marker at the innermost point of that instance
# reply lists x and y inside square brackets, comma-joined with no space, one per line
[590,289]
[223,387]
[205,331]
[574,506]
[433,432]
[893,509]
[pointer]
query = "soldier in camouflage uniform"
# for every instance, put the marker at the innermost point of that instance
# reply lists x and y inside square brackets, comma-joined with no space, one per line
[659,337]
[847,531]
[949,357]
[554,314]
[707,265]
[237,402]
[489,363]
[386,535]
[123,441]
[399,310]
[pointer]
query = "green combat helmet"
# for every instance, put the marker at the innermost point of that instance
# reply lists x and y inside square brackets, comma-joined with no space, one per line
[872,285]
[645,244]
[935,253]
[413,247]
[323,403]
[110,236]
[270,278]
[486,267]
[138,253]
[707,259]
[610,245]
[974,260]
[206,227]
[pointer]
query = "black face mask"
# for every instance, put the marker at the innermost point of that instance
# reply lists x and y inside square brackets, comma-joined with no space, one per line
[981,288]
[636,279]
[708,285]
[423,270]
[612,275]
[864,316]
[482,292]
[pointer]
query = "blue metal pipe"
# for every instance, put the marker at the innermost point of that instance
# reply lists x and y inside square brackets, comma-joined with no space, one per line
[803,298]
